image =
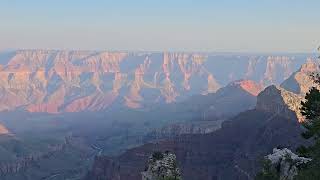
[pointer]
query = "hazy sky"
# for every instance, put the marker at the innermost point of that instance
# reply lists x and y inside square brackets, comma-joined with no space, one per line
[184,25]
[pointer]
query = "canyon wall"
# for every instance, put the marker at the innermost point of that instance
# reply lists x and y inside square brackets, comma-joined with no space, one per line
[71,81]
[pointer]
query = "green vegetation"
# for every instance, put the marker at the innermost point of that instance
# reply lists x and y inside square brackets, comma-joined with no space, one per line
[311,171]
[172,178]
[162,166]
[311,110]
[268,172]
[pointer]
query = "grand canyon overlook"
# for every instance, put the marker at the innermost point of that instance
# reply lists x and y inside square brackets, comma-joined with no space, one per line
[159,90]
[176,99]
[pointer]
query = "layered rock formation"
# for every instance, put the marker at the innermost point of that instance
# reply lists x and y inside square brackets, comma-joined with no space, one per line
[274,63]
[71,81]
[280,102]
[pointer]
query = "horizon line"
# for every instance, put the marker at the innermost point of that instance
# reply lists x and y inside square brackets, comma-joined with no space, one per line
[159,51]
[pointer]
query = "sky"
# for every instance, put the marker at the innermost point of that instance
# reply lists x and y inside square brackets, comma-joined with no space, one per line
[161,25]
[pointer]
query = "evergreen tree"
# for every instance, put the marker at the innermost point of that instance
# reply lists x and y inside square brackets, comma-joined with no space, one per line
[311,110]
[268,172]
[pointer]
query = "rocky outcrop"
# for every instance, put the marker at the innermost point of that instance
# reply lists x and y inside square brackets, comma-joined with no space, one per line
[161,166]
[69,81]
[286,163]
[280,102]
[249,86]
[301,81]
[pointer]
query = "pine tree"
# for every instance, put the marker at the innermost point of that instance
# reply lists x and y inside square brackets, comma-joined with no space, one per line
[311,110]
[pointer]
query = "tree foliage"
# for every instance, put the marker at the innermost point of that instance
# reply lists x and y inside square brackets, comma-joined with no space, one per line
[311,110]
[311,171]
[268,172]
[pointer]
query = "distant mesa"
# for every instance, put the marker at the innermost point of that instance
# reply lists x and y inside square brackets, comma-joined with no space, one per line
[250,86]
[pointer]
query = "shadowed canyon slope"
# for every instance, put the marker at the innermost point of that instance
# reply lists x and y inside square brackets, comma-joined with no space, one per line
[209,111]
[72,81]
[232,152]
[235,150]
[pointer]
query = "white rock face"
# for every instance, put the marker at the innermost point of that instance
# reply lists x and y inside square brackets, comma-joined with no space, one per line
[287,161]
[162,166]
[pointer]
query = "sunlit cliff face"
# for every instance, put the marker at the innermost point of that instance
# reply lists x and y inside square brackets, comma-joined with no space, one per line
[301,81]
[250,86]
[72,81]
